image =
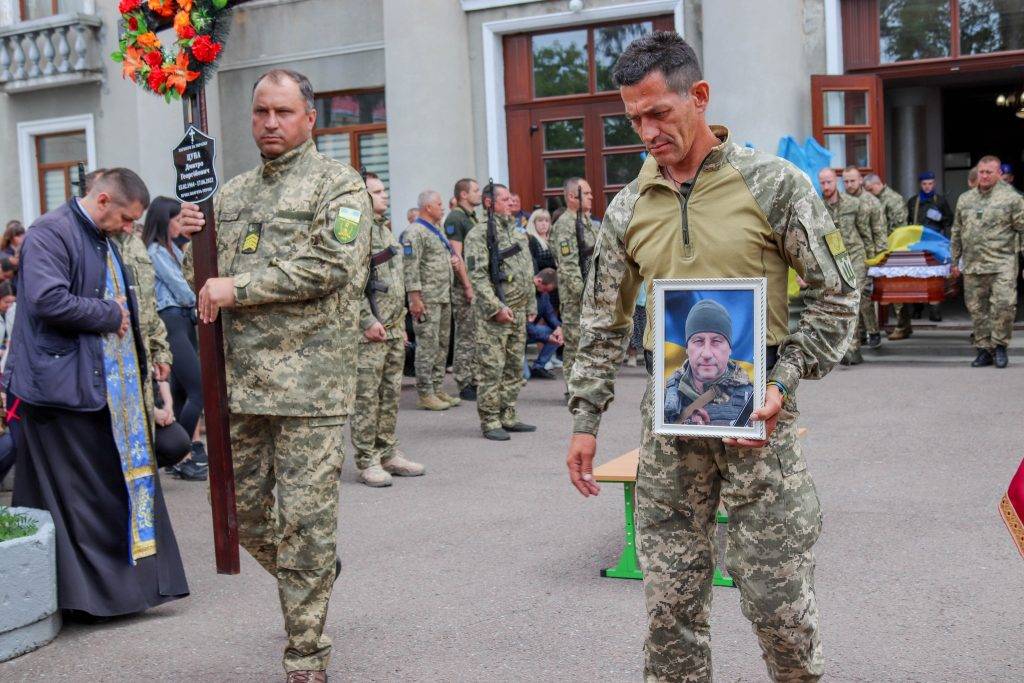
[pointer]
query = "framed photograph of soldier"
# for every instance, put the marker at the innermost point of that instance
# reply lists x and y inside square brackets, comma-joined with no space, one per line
[709,357]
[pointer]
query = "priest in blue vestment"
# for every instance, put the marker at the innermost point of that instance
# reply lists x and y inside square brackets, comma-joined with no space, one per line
[85,443]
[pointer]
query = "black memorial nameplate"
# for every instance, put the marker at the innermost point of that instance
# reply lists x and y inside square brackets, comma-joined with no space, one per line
[196,179]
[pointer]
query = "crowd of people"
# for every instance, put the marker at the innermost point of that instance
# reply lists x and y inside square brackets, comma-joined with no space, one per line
[105,385]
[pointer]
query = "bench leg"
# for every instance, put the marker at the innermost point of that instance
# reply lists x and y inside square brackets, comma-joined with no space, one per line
[720,578]
[627,566]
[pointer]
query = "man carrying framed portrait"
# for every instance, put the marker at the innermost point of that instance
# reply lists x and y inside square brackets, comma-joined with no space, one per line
[705,208]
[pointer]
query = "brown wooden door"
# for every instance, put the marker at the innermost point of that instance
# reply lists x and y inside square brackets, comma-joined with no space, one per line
[848,119]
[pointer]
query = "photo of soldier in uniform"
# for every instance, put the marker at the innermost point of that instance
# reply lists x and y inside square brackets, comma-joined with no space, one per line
[709,357]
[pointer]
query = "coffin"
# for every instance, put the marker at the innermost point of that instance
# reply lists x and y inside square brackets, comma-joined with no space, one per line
[912,277]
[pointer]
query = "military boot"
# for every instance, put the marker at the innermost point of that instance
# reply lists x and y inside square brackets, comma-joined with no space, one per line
[375,476]
[498,434]
[518,426]
[432,402]
[874,340]
[449,399]
[852,358]
[307,677]
[984,358]
[1000,357]
[468,393]
[400,466]
[899,334]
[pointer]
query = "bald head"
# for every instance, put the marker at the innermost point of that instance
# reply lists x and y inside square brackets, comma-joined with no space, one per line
[827,179]
[852,180]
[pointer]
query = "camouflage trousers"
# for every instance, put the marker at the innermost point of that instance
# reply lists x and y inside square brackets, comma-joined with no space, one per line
[293,537]
[378,388]
[501,348]
[867,318]
[902,314]
[433,333]
[774,520]
[992,302]
[464,360]
[570,313]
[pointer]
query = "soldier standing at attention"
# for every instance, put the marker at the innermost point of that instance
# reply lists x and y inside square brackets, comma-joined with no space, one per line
[894,214]
[381,356]
[987,225]
[293,244]
[855,226]
[928,207]
[854,185]
[566,251]
[430,263]
[759,216]
[501,323]
[459,222]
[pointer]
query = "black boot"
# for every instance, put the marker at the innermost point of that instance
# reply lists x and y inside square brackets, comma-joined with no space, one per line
[874,340]
[984,358]
[199,455]
[1000,357]
[468,393]
[934,314]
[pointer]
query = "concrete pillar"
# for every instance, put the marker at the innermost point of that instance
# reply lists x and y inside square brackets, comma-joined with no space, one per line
[430,123]
[908,146]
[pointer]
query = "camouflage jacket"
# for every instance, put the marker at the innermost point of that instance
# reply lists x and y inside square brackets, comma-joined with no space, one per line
[853,222]
[878,241]
[136,259]
[520,292]
[894,209]
[562,242]
[731,392]
[985,231]
[428,264]
[390,304]
[294,232]
[748,214]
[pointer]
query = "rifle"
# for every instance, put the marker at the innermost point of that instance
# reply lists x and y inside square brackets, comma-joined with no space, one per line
[583,252]
[80,183]
[495,255]
[373,285]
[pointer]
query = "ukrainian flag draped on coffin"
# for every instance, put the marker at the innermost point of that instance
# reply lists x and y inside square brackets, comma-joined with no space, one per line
[740,305]
[915,238]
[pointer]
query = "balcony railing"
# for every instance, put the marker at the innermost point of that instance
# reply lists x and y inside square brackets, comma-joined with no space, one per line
[50,52]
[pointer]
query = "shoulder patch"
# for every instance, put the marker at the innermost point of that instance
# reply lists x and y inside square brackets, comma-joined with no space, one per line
[346,224]
[449,229]
[407,249]
[251,241]
[837,248]
[565,247]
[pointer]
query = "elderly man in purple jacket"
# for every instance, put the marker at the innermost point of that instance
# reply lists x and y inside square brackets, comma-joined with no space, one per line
[84,448]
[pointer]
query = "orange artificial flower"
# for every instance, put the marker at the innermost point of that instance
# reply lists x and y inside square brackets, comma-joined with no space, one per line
[132,62]
[148,40]
[185,5]
[178,76]
[182,24]
[164,8]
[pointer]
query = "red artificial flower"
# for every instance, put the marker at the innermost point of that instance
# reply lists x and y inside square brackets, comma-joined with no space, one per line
[187,32]
[133,24]
[204,49]
[128,6]
[183,25]
[157,77]
[154,59]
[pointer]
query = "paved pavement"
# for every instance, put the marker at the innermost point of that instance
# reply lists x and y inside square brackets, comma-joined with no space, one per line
[487,568]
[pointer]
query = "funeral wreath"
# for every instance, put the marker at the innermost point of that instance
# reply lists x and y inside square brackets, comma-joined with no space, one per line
[172,69]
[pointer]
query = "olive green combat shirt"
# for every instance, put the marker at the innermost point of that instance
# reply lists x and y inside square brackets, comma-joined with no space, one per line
[748,214]
[428,264]
[457,224]
[986,229]
[294,233]
[894,209]
[879,234]
[390,304]
[562,243]
[853,223]
[520,292]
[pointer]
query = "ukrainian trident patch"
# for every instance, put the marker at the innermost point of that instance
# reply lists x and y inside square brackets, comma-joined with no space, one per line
[251,241]
[837,248]
[346,224]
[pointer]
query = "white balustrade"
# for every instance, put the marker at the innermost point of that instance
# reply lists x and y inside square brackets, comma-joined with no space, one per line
[49,52]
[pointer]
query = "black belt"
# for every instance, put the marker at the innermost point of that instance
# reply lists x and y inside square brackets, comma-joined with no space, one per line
[771,355]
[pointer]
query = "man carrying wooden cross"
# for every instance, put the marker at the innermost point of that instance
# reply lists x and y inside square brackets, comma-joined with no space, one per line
[293,245]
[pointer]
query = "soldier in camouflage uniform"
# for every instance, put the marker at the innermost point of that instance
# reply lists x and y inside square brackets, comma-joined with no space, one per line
[758,217]
[854,225]
[457,224]
[987,226]
[566,251]
[293,246]
[501,324]
[894,212]
[430,264]
[381,357]
[854,185]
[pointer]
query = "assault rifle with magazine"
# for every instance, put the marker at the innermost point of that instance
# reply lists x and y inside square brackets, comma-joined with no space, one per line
[373,285]
[582,250]
[496,255]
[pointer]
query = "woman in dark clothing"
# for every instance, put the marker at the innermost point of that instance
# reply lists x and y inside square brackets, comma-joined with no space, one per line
[14,235]
[539,228]
[175,302]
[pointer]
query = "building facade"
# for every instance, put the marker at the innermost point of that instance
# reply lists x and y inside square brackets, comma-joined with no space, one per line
[426,92]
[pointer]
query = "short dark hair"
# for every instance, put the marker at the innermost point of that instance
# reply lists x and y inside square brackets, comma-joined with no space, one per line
[7,265]
[490,188]
[158,217]
[663,51]
[124,185]
[91,177]
[6,289]
[370,175]
[547,276]
[462,185]
[276,75]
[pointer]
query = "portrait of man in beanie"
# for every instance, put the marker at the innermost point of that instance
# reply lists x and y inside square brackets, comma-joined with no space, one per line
[711,353]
